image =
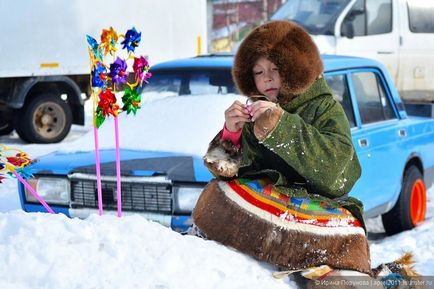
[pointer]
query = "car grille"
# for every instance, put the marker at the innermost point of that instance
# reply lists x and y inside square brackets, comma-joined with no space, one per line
[150,194]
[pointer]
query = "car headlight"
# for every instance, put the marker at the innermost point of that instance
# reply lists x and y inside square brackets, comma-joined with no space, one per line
[52,190]
[186,198]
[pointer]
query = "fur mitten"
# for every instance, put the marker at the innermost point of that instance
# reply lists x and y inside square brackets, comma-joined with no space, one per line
[222,158]
[267,122]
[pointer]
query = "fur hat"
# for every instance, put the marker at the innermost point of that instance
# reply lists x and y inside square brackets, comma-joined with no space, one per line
[289,47]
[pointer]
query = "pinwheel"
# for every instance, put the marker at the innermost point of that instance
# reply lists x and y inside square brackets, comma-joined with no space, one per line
[132,39]
[108,79]
[13,162]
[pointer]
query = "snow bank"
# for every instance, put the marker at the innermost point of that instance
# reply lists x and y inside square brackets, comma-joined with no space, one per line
[46,251]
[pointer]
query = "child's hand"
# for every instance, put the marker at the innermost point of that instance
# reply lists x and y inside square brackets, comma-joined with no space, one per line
[236,116]
[259,107]
[266,115]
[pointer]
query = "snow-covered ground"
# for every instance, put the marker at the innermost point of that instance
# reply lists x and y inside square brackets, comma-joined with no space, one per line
[51,251]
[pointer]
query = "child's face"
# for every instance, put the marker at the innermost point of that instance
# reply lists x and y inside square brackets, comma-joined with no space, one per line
[267,78]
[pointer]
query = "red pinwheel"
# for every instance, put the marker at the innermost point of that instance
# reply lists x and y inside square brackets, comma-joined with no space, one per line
[18,160]
[107,103]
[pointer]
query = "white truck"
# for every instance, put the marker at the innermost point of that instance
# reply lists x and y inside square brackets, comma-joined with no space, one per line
[398,33]
[44,62]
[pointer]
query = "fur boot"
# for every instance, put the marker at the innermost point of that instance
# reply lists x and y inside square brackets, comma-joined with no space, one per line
[398,274]
[256,224]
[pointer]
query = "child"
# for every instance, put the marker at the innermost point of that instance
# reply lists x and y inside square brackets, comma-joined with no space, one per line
[284,164]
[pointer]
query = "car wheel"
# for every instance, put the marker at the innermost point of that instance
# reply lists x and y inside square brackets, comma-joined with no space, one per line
[45,118]
[409,211]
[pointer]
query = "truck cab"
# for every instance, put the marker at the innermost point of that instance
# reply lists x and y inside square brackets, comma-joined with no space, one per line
[397,33]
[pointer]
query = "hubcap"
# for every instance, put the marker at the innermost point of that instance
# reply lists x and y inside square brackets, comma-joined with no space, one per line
[49,120]
[418,202]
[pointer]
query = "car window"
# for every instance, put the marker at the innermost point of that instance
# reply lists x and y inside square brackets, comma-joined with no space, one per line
[164,82]
[316,16]
[338,85]
[420,15]
[374,105]
[191,82]
[368,17]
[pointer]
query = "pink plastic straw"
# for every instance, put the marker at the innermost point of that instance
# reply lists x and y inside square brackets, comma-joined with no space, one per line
[118,168]
[98,171]
[34,193]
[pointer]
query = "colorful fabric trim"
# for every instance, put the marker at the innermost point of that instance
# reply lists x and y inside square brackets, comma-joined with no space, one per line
[263,195]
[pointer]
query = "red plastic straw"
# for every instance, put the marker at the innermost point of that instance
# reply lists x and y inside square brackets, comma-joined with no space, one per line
[118,168]
[98,171]
[34,193]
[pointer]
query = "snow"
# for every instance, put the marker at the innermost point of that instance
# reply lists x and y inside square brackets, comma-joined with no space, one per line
[43,251]
[419,241]
[40,250]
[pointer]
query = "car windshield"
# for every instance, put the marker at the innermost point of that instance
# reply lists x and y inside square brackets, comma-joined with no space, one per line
[316,16]
[190,82]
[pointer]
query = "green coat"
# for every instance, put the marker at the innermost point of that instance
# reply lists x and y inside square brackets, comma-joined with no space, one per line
[309,153]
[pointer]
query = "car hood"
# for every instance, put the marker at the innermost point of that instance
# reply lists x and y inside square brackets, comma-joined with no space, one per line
[176,166]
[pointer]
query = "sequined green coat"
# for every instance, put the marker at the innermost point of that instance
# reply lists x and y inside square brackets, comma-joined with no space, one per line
[309,153]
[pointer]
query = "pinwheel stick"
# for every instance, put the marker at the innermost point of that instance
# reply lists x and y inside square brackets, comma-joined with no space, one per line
[98,170]
[118,168]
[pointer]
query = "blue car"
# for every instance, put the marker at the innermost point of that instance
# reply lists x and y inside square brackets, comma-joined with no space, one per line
[394,148]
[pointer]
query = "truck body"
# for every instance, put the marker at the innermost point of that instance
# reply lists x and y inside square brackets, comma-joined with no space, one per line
[44,63]
[397,33]
[395,149]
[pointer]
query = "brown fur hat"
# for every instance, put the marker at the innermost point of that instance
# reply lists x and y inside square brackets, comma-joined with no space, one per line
[289,47]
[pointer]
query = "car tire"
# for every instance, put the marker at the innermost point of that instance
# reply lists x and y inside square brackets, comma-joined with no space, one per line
[409,211]
[46,118]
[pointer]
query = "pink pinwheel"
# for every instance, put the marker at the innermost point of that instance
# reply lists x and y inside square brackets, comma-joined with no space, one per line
[141,69]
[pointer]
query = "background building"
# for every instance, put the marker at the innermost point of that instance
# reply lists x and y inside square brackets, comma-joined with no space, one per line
[232,19]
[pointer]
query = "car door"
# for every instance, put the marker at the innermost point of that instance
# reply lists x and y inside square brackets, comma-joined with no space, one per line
[370,30]
[377,138]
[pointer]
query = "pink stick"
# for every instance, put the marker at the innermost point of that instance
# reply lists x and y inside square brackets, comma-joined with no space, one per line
[98,171]
[118,168]
[34,193]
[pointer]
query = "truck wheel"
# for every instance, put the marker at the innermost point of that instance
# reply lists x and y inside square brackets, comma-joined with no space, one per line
[409,211]
[6,121]
[5,128]
[46,118]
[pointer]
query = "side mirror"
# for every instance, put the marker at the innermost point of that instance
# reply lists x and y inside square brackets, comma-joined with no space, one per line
[347,29]
[355,12]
